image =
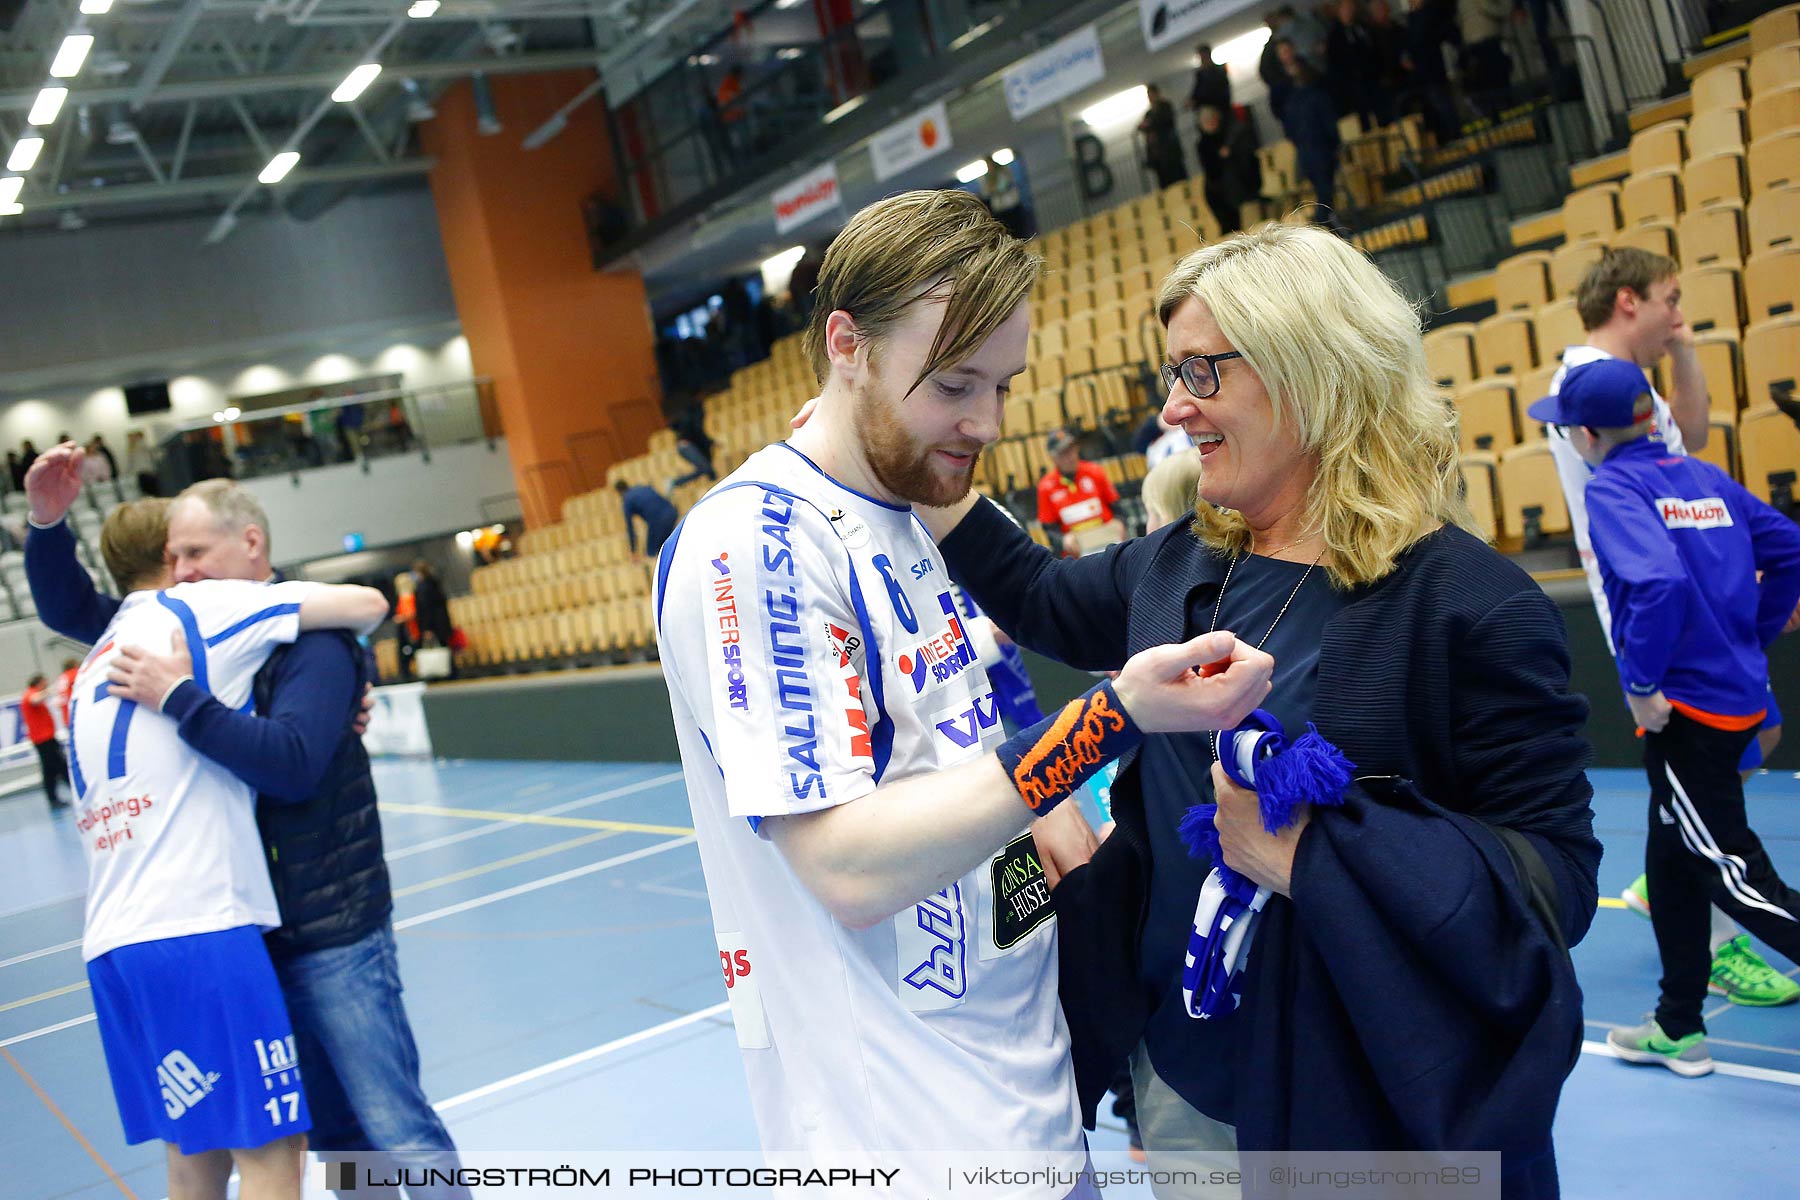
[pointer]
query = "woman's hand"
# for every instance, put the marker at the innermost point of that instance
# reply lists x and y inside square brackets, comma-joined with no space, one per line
[1266,859]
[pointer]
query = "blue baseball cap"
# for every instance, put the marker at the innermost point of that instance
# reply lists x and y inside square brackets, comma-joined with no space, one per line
[1600,395]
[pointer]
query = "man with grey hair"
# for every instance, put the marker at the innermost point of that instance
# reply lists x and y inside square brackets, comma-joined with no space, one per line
[316,810]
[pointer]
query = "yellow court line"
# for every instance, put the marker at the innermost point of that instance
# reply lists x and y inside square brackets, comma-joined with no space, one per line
[67,1124]
[52,994]
[482,814]
[515,860]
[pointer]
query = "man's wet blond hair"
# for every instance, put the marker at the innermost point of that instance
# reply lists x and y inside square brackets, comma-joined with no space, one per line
[941,245]
[134,543]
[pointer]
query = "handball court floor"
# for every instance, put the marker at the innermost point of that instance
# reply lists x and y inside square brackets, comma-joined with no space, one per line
[565,991]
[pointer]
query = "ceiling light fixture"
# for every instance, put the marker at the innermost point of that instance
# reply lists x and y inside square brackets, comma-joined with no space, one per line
[356,82]
[25,153]
[971,171]
[422,9]
[95,8]
[48,104]
[278,167]
[71,54]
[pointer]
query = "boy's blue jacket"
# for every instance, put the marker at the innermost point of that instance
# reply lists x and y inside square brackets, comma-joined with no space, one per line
[1679,544]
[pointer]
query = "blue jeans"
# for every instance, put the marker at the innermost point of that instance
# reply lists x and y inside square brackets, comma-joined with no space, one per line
[358,1059]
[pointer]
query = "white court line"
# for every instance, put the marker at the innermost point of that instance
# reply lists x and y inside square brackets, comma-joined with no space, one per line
[555,810]
[450,910]
[631,1039]
[1741,1070]
[47,950]
[38,1033]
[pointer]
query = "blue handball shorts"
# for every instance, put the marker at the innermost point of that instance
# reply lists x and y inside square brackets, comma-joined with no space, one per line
[198,1042]
[1771,720]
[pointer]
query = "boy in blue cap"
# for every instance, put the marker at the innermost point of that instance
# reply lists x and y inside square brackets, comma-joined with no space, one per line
[1679,545]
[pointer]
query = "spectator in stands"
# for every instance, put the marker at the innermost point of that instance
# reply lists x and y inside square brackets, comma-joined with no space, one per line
[97,445]
[1312,127]
[730,104]
[1487,67]
[15,471]
[1351,68]
[693,444]
[27,455]
[316,809]
[1212,82]
[653,508]
[1430,27]
[96,467]
[1399,938]
[1272,67]
[1000,192]
[1387,38]
[40,727]
[1162,144]
[141,462]
[1630,304]
[804,279]
[1229,165]
[1075,500]
[1701,577]
[432,605]
[406,621]
[1171,488]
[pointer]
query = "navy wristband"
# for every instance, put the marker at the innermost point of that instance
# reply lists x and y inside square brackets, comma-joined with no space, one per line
[1050,761]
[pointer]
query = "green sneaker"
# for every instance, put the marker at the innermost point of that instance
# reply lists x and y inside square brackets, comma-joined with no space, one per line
[1742,976]
[1648,1045]
[1637,896]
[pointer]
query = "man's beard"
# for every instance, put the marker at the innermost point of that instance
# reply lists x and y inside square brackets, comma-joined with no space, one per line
[901,464]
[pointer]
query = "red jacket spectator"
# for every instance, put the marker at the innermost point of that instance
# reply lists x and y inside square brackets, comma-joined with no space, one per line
[34,707]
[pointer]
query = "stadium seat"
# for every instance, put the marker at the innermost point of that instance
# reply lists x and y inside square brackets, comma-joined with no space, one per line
[1478,473]
[1532,388]
[1530,493]
[1774,111]
[1771,355]
[1504,344]
[1769,449]
[1716,131]
[1712,236]
[1775,218]
[1658,238]
[1484,411]
[1721,442]
[1651,197]
[1663,145]
[1774,67]
[1774,28]
[1450,354]
[1711,299]
[1772,283]
[1774,161]
[1714,178]
[1558,326]
[1522,282]
[1570,262]
[1720,87]
[1592,212]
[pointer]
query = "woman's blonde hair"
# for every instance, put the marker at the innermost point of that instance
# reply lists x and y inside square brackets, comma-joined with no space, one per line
[1339,349]
[1170,488]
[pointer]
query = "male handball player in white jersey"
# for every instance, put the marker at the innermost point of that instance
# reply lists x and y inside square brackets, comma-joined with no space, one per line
[191,1016]
[865,826]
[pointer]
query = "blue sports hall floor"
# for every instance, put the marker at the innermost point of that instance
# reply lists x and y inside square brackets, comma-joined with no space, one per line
[564,986]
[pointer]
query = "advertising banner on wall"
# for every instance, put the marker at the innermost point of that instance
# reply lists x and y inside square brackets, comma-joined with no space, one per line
[910,142]
[1166,22]
[812,195]
[1055,72]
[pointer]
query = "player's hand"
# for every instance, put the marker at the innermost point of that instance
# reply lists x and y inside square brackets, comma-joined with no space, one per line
[1651,712]
[1681,338]
[1064,841]
[146,678]
[1071,546]
[360,725]
[805,414]
[1164,692]
[1264,858]
[54,482]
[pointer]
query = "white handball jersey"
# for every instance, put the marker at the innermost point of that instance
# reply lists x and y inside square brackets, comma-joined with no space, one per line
[813,651]
[170,835]
[1574,474]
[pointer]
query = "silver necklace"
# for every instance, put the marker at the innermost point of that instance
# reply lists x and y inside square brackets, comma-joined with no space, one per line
[1226,582]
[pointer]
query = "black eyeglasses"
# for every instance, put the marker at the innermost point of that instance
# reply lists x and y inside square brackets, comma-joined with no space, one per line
[1199,373]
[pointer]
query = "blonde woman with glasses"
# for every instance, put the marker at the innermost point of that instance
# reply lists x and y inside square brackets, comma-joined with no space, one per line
[1403,990]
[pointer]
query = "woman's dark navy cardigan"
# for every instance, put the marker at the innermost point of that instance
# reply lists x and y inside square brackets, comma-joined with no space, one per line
[1406,997]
